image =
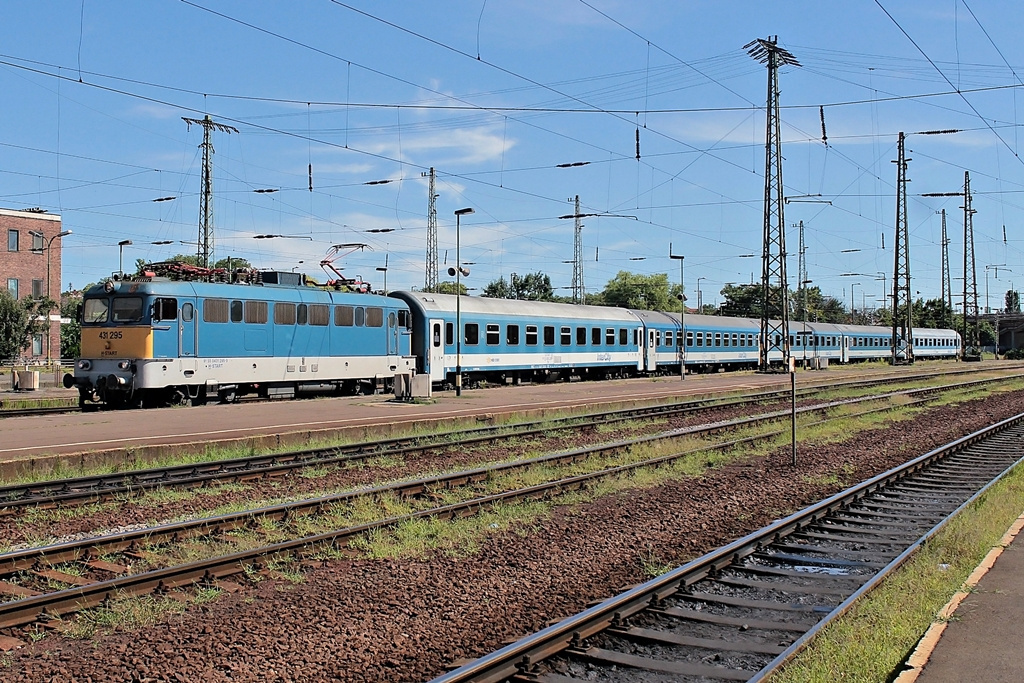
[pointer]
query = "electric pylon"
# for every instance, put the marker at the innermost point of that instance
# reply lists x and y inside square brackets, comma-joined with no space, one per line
[774,286]
[578,295]
[430,279]
[972,343]
[947,290]
[902,319]
[205,244]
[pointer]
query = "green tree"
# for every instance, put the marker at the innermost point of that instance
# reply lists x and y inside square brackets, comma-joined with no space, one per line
[450,288]
[14,326]
[632,290]
[531,287]
[233,262]
[1012,301]
[71,332]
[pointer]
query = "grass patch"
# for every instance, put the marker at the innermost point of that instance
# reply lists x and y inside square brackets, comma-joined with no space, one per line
[877,635]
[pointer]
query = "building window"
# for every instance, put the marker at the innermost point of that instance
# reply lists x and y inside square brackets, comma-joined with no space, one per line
[37,242]
[12,240]
[37,344]
[37,289]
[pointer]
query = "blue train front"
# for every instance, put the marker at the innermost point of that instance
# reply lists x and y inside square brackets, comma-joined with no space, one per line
[152,341]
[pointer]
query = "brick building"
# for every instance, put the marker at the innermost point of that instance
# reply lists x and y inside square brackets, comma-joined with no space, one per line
[31,243]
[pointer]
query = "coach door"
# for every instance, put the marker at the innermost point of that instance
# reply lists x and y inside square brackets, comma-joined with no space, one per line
[845,348]
[435,350]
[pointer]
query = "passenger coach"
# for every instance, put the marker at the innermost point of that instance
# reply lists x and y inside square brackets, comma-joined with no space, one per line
[506,340]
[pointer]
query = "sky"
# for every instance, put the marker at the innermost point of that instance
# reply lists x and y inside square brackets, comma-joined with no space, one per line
[498,96]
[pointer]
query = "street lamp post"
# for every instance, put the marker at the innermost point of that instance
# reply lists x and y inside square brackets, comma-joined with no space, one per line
[700,298]
[996,267]
[384,270]
[853,303]
[681,342]
[49,246]
[458,299]
[120,255]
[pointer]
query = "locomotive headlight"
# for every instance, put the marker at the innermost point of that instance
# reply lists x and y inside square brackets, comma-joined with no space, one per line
[124,365]
[84,364]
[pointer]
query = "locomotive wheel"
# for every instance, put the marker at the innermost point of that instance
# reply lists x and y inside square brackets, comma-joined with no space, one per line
[227,395]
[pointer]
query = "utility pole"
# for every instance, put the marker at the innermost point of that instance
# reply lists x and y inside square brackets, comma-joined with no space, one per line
[802,269]
[902,321]
[205,250]
[578,293]
[972,344]
[774,300]
[430,281]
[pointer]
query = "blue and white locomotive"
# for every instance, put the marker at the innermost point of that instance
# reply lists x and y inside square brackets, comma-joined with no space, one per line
[156,341]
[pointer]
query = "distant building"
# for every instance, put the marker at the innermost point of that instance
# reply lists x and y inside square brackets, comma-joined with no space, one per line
[28,236]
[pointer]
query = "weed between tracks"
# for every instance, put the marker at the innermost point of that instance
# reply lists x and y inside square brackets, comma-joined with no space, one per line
[878,634]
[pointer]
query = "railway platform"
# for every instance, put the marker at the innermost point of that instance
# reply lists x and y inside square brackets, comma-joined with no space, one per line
[978,634]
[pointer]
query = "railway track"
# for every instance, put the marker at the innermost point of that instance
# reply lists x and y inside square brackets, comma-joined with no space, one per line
[45,582]
[87,489]
[60,410]
[740,612]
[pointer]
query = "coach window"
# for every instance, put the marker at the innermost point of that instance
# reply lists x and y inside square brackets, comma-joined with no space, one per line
[531,335]
[344,316]
[512,335]
[301,314]
[725,339]
[256,312]
[236,311]
[581,336]
[320,315]
[595,336]
[284,314]
[549,335]
[657,338]
[449,334]
[493,334]
[436,335]
[215,310]
[127,309]
[636,337]
[609,336]
[669,338]
[718,338]
[374,317]
[566,336]
[163,309]
[472,337]
[623,336]
[360,316]
[689,338]
[735,340]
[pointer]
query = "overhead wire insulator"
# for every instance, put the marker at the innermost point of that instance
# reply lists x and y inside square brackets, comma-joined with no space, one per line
[311,177]
[824,137]
[638,143]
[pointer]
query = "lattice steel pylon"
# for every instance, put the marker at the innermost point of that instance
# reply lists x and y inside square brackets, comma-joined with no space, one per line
[774,286]
[430,279]
[971,337]
[578,295]
[205,244]
[902,304]
[947,289]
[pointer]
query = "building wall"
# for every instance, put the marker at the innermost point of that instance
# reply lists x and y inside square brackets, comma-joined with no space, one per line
[25,265]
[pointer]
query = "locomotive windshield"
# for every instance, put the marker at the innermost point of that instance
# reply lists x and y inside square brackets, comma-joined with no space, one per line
[127,309]
[95,311]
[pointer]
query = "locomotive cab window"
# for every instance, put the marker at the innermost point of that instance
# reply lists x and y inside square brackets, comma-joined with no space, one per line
[163,309]
[301,314]
[392,320]
[512,335]
[493,334]
[187,312]
[127,309]
[403,319]
[96,311]
[236,311]
[360,316]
